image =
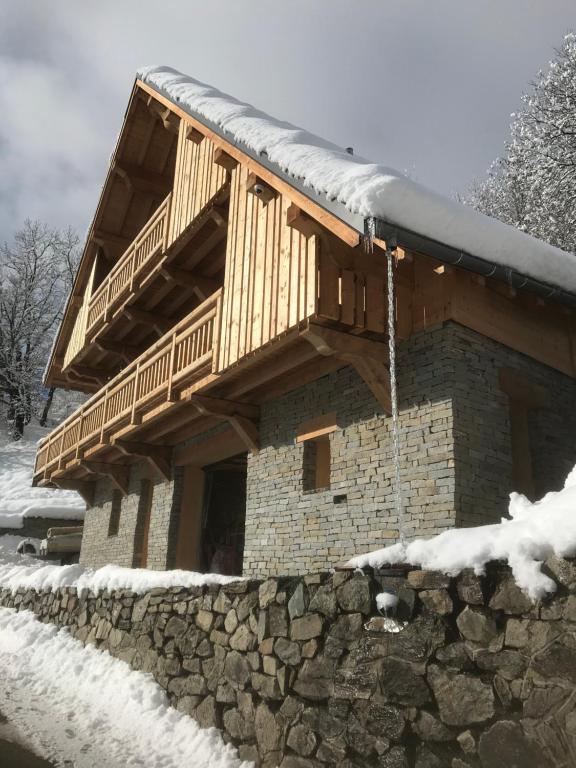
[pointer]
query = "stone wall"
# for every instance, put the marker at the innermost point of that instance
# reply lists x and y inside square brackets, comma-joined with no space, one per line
[303,672]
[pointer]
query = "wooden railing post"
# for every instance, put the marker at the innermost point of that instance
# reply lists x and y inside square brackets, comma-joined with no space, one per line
[135,394]
[170,394]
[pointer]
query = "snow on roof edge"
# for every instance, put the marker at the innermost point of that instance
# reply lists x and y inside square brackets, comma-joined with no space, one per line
[359,188]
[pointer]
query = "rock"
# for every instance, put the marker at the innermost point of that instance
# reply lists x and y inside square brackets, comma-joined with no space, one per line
[502,691]
[261,626]
[222,604]
[270,665]
[191,685]
[508,664]
[231,622]
[395,758]
[347,629]
[290,711]
[266,647]
[467,742]
[297,603]
[225,694]
[425,758]
[306,627]
[266,686]
[476,626]
[358,738]
[437,601]
[204,620]
[292,761]
[302,740]
[331,751]
[219,638]
[326,724]
[268,734]
[563,571]
[140,608]
[427,580]
[418,640]
[505,745]
[246,605]
[284,675]
[556,662]
[310,648]
[315,678]
[354,595]
[243,639]
[454,656]
[207,713]
[428,728]
[188,704]
[267,592]
[236,669]
[461,699]
[383,720]
[509,598]
[248,753]
[470,588]
[277,621]
[175,627]
[402,681]
[355,680]
[324,601]
[288,652]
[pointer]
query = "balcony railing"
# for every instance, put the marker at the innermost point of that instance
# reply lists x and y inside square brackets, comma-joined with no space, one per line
[181,357]
[150,243]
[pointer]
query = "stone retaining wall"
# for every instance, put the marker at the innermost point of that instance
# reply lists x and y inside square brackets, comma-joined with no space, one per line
[303,672]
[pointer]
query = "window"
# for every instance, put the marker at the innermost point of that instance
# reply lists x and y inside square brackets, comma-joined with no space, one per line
[315,434]
[115,509]
[523,396]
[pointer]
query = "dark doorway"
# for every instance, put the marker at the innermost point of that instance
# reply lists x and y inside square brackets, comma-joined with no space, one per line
[224,516]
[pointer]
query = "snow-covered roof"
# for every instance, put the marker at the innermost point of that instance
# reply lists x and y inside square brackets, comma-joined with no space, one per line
[361,189]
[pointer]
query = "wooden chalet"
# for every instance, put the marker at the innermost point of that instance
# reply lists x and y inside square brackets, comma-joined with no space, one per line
[230,328]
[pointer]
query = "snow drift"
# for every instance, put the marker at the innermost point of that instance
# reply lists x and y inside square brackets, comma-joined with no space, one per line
[535,532]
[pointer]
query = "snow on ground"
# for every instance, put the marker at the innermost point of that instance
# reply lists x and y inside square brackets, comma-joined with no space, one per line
[9,551]
[535,532]
[363,187]
[17,497]
[79,706]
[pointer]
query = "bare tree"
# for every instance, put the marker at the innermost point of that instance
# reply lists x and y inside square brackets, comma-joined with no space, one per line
[36,273]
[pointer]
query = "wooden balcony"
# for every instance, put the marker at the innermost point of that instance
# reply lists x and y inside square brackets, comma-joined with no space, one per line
[180,358]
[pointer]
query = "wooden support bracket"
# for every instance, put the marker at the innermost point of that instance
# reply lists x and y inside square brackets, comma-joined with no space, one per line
[124,351]
[83,372]
[159,457]
[224,160]
[192,134]
[302,222]
[141,179]
[255,186]
[202,286]
[242,417]
[369,358]
[118,474]
[84,487]
[160,324]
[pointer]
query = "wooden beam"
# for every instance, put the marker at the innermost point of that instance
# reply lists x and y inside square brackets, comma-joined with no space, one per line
[369,358]
[141,179]
[85,372]
[316,427]
[216,448]
[118,474]
[297,219]
[84,487]
[263,191]
[221,408]
[248,432]
[193,134]
[327,341]
[152,320]
[518,387]
[101,237]
[159,457]
[124,351]
[224,160]
[202,286]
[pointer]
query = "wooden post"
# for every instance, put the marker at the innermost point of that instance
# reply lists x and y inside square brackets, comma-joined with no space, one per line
[169,394]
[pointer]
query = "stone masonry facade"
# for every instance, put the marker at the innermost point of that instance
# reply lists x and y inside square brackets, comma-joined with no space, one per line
[456,461]
[303,672]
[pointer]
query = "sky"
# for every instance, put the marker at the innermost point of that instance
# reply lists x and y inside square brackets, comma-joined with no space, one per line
[424,87]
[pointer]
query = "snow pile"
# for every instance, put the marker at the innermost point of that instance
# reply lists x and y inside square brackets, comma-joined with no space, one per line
[365,188]
[36,575]
[535,532]
[9,550]
[79,706]
[17,497]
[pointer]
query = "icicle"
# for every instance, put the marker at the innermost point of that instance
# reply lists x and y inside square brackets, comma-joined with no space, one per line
[369,234]
[394,394]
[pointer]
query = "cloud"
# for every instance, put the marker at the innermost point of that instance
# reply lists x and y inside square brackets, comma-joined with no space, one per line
[421,86]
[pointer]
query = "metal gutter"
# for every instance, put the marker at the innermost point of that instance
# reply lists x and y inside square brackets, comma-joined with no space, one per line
[384,230]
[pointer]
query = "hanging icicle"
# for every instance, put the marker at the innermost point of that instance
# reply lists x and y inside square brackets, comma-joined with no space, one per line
[399,503]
